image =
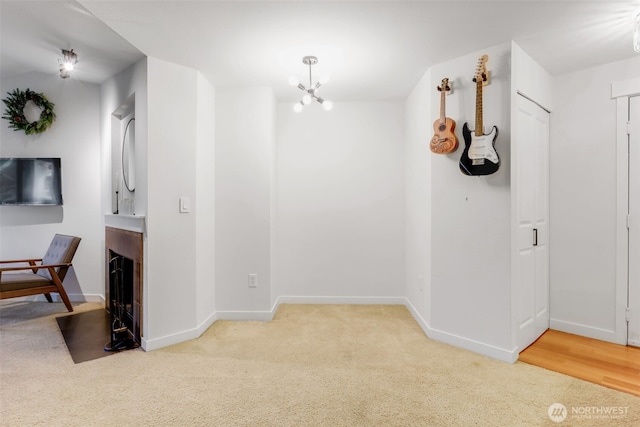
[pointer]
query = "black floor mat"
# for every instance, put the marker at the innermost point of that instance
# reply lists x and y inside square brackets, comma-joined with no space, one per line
[86,334]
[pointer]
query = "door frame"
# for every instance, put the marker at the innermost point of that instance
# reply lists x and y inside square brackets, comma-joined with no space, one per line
[621,92]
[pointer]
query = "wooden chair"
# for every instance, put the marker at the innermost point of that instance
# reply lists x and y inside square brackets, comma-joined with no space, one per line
[42,275]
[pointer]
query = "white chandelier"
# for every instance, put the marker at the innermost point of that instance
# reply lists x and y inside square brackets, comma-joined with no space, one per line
[311,91]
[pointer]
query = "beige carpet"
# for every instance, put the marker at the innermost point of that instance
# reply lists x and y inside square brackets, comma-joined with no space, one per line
[313,365]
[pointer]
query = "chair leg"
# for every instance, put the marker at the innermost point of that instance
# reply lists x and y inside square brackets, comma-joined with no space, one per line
[65,298]
[48,297]
[61,291]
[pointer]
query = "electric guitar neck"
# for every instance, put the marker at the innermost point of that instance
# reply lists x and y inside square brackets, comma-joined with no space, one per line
[479,156]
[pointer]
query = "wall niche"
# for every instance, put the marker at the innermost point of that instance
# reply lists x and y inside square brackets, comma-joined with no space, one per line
[123,158]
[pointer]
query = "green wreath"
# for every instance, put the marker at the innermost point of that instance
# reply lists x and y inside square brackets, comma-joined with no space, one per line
[15,111]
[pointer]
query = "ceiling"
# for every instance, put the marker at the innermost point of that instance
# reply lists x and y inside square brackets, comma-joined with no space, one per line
[33,34]
[371,50]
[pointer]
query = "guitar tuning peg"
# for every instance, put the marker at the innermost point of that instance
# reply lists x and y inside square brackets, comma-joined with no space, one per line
[485,78]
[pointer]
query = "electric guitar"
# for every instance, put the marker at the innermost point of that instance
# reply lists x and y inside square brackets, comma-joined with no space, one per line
[479,156]
[444,140]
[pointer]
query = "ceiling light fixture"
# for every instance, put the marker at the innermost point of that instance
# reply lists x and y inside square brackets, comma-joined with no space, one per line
[310,92]
[67,63]
[636,33]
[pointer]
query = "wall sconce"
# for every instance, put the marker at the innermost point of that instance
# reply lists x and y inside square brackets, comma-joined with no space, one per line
[67,63]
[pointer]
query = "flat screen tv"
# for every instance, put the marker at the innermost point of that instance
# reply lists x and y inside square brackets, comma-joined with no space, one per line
[30,181]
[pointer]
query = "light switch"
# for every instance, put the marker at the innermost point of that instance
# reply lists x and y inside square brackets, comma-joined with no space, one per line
[185,205]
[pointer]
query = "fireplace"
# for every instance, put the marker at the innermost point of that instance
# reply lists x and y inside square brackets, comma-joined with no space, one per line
[123,284]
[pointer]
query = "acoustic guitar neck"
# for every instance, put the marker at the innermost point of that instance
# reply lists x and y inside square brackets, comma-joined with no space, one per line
[442,106]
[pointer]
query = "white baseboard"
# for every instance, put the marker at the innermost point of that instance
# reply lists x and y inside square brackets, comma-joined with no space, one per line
[206,324]
[633,343]
[584,330]
[178,337]
[417,317]
[168,340]
[339,300]
[261,316]
[265,316]
[504,355]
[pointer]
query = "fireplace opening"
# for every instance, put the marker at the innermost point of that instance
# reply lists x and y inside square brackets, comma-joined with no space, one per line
[121,303]
[124,253]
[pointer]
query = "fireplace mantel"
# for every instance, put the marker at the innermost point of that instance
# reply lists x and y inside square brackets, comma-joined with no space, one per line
[126,222]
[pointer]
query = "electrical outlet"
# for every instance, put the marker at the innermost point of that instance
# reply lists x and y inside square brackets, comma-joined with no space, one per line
[253,280]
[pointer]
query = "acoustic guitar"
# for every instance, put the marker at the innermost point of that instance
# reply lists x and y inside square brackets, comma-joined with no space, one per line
[444,140]
[479,156]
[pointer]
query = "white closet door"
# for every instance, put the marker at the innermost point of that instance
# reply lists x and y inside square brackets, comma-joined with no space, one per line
[634,224]
[531,186]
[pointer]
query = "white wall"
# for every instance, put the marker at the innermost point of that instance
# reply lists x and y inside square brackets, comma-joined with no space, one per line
[205,206]
[418,159]
[583,200]
[340,202]
[529,78]
[171,241]
[469,286]
[244,134]
[470,278]
[26,231]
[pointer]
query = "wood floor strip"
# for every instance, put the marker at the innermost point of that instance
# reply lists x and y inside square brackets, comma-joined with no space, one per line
[610,365]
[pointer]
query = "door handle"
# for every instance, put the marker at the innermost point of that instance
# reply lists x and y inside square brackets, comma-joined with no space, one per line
[535,237]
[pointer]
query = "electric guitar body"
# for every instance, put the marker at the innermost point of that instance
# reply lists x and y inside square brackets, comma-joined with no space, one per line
[444,139]
[479,156]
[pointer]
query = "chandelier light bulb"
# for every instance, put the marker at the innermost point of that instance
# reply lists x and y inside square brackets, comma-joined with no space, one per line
[328,105]
[324,79]
[306,100]
[68,66]
[297,107]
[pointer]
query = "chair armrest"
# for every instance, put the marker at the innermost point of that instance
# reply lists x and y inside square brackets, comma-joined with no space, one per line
[15,261]
[35,267]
